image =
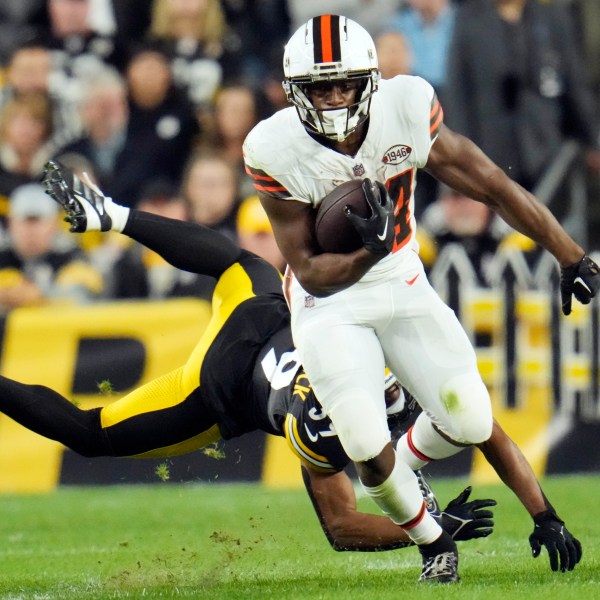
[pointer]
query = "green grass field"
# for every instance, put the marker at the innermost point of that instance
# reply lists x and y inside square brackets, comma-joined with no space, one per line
[244,541]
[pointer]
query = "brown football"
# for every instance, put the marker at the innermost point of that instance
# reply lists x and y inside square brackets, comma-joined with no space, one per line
[335,232]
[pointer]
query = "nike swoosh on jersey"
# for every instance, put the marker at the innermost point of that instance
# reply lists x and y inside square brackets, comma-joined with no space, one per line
[411,281]
[312,436]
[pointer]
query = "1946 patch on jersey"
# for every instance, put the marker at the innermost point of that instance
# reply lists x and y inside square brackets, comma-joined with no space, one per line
[396,154]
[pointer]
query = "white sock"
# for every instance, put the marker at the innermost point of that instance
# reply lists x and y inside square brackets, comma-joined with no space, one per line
[119,214]
[422,443]
[400,498]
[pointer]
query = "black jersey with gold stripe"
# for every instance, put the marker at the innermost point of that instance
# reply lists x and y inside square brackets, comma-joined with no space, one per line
[282,392]
[309,431]
[248,369]
[226,375]
[249,384]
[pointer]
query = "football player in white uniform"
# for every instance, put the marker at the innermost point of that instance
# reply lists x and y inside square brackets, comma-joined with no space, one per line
[352,313]
[251,379]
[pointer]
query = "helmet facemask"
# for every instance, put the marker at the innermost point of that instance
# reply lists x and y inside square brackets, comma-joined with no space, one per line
[330,49]
[335,123]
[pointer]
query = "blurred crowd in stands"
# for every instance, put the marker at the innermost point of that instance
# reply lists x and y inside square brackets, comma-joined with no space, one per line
[153,99]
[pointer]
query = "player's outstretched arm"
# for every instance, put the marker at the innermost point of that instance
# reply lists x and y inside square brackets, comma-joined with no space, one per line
[549,531]
[187,246]
[348,529]
[462,165]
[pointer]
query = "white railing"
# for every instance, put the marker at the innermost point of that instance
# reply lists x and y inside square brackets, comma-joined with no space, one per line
[522,340]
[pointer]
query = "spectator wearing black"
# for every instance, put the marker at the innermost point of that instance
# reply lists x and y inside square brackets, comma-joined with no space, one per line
[142,273]
[210,189]
[193,34]
[29,71]
[75,44]
[516,85]
[20,20]
[132,20]
[104,115]
[162,121]
[39,264]
[251,52]
[133,139]
[236,111]
[25,132]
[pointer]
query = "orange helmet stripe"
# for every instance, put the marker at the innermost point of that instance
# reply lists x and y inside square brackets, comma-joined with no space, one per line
[326,38]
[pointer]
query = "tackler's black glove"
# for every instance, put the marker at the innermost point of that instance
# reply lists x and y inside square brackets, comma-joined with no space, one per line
[551,532]
[468,520]
[581,280]
[376,230]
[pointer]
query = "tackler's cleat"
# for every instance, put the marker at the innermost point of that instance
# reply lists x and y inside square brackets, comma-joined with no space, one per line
[86,207]
[433,505]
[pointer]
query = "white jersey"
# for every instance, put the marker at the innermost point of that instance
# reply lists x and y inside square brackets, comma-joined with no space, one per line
[405,118]
[392,315]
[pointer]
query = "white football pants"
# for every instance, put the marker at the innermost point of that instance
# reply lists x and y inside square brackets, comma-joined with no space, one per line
[345,340]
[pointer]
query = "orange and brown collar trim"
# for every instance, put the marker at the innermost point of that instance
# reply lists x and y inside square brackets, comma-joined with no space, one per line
[326,39]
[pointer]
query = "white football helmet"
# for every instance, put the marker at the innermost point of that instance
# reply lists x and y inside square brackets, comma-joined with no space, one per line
[330,48]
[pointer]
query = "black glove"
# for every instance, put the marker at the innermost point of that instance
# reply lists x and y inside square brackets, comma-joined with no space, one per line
[582,280]
[551,532]
[468,520]
[377,230]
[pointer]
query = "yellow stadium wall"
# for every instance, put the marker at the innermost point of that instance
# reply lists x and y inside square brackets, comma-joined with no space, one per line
[41,346]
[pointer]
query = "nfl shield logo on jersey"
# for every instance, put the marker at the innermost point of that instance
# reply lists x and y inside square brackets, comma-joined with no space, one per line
[358,170]
[309,301]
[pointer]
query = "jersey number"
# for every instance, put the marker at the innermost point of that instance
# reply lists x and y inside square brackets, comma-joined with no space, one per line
[399,188]
[280,373]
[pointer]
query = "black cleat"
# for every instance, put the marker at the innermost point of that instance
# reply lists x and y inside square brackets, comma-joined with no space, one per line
[86,207]
[441,568]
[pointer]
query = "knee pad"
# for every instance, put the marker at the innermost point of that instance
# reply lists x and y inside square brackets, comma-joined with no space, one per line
[362,433]
[468,418]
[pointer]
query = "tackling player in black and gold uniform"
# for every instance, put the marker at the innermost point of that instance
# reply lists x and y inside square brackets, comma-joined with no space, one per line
[242,375]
